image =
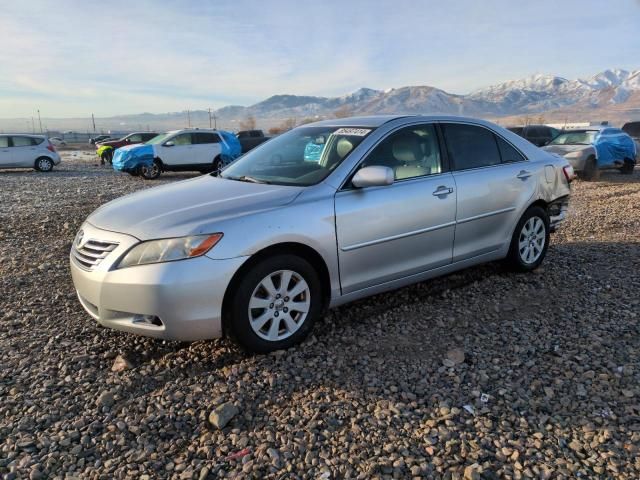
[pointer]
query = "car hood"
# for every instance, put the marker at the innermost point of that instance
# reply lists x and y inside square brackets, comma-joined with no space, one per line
[189,207]
[564,149]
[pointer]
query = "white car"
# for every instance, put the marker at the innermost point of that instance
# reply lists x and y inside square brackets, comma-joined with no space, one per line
[28,151]
[58,142]
[178,150]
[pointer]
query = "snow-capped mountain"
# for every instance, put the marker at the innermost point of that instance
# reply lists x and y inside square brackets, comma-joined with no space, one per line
[534,94]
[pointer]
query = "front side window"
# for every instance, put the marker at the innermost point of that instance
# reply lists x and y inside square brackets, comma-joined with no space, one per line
[470,146]
[135,138]
[4,142]
[410,152]
[22,141]
[303,156]
[182,139]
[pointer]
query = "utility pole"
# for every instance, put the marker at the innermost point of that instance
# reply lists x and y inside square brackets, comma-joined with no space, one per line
[189,118]
[215,121]
[39,120]
[209,118]
[93,120]
[33,125]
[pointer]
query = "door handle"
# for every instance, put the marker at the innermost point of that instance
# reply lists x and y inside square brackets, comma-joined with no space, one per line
[442,190]
[523,175]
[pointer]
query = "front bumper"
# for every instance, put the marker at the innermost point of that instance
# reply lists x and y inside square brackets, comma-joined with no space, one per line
[179,300]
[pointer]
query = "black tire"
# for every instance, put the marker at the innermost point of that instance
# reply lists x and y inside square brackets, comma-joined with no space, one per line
[517,257]
[134,173]
[237,318]
[627,167]
[590,172]
[43,164]
[217,166]
[151,173]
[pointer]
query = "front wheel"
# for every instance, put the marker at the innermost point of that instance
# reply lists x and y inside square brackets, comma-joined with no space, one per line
[590,171]
[150,172]
[44,164]
[276,304]
[530,240]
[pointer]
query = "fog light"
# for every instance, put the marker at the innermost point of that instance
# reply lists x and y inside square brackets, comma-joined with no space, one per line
[147,320]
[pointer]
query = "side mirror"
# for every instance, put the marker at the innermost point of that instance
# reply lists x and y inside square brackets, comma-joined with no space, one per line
[169,143]
[374,176]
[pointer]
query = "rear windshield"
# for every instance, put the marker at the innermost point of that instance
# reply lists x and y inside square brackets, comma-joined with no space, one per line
[575,137]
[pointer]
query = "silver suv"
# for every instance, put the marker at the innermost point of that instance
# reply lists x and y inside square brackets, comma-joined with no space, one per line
[322,215]
[28,151]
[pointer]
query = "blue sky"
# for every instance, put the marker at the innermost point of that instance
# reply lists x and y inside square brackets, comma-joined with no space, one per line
[71,58]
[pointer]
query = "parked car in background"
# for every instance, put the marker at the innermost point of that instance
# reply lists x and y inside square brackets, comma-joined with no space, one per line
[28,151]
[99,138]
[633,130]
[267,246]
[591,149]
[105,149]
[539,135]
[58,142]
[179,150]
[250,139]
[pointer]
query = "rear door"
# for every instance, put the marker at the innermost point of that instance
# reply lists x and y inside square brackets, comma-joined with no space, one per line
[207,147]
[6,159]
[494,182]
[23,151]
[391,232]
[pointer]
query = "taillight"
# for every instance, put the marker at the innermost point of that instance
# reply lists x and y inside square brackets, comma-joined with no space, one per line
[51,148]
[569,173]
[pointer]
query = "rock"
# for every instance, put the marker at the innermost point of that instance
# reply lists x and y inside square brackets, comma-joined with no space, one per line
[472,472]
[106,399]
[222,415]
[454,356]
[121,363]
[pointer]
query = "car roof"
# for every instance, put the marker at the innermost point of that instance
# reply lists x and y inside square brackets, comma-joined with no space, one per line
[374,121]
[22,135]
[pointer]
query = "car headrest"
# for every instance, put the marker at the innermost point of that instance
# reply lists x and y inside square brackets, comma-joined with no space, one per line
[343,147]
[406,148]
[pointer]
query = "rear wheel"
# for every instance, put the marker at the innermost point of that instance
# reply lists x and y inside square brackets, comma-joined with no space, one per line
[530,240]
[275,304]
[151,172]
[217,166]
[627,166]
[590,171]
[44,164]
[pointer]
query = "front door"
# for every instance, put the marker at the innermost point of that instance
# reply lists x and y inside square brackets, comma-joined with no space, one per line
[387,233]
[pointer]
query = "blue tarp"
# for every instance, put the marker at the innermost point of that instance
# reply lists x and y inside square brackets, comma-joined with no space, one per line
[614,146]
[129,158]
[231,148]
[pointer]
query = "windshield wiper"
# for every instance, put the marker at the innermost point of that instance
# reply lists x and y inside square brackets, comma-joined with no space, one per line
[247,178]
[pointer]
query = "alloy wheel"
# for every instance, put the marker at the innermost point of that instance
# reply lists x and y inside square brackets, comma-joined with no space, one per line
[532,240]
[279,305]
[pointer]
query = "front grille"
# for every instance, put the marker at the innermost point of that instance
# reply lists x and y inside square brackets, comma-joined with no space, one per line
[92,253]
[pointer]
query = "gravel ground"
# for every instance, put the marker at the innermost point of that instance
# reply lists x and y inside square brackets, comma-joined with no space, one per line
[480,374]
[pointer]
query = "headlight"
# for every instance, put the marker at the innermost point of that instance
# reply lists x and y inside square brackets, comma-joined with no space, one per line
[169,249]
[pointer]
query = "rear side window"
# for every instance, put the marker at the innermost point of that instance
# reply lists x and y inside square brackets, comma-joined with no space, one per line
[206,137]
[37,140]
[4,142]
[22,141]
[470,146]
[507,152]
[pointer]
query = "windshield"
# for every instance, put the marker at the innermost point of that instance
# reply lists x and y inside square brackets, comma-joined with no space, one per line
[303,156]
[157,139]
[579,137]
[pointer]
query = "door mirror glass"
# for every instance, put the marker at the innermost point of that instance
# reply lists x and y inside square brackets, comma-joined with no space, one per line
[169,143]
[373,176]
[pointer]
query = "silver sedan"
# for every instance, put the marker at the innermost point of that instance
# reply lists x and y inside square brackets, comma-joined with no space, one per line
[322,215]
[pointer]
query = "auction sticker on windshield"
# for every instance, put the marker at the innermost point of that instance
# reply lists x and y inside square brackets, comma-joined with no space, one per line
[357,132]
